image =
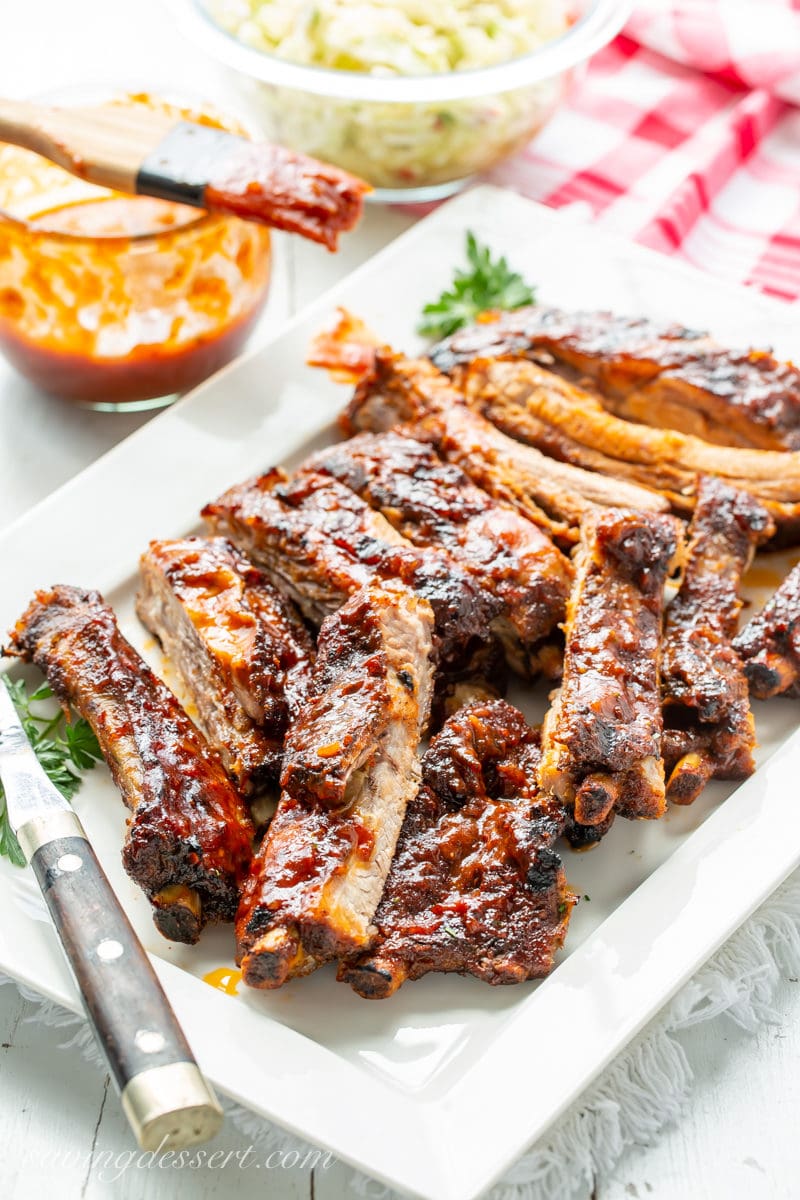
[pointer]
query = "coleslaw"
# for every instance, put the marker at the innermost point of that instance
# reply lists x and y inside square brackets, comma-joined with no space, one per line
[401,37]
[395,145]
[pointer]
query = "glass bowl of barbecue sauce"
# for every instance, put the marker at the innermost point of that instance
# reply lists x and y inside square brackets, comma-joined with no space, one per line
[120,302]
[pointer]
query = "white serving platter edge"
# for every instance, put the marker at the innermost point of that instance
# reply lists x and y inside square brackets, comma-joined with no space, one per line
[438,1090]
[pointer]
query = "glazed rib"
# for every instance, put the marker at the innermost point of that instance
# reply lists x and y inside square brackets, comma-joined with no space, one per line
[546,411]
[318,877]
[188,844]
[321,542]
[769,644]
[475,886]
[601,738]
[433,503]
[242,654]
[709,730]
[554,495]
[657,374]
[286,190]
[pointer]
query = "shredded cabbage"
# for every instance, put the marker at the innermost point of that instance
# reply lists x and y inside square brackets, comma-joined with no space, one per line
[393,37]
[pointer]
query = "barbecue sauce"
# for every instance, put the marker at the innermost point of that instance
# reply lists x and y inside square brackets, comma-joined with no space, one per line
[224,979]
[289,191]
[113,300]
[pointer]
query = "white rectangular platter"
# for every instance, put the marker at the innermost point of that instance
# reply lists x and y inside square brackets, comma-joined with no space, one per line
[437,1090]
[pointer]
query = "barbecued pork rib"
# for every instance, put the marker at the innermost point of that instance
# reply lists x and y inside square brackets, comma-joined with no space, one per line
[242,655]
[658,374]
[475,886]
[546,411]
[320,872]
[189,839]
[321,542]
[554,495]
[709,729]
[433,503]
[601,739]
[769,644]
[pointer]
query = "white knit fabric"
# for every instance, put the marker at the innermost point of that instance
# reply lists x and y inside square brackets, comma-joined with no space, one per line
[640,1093]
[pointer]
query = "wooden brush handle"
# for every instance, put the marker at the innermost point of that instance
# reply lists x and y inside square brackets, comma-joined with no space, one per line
[105,145]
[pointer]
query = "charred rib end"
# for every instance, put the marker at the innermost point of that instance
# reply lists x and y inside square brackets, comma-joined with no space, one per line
[178,913]
[586,837]
[274,958]
[690,776]
[595,798]
[376,979]
[769,675]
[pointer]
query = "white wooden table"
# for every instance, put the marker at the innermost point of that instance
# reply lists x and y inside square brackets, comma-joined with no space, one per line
[739,1135]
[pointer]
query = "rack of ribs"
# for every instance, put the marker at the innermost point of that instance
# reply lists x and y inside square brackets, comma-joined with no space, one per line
[649,372]
[433,503]
[769,644]
[709,730]
[321,542]
[189,838]
[475,886]
[243,655]
[350,770]
[601,738]
[542,409]
[556,496]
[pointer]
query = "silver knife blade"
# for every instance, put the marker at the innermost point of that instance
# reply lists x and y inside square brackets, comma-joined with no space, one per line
[29,793]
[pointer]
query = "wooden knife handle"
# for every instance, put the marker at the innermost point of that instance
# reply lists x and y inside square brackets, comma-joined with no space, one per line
[165,1097]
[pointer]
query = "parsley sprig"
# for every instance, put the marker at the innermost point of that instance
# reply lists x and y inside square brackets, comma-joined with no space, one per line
[64,748]
[489,283]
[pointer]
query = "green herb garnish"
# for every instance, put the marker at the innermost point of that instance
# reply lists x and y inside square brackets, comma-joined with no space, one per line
[487,284]
[64,748]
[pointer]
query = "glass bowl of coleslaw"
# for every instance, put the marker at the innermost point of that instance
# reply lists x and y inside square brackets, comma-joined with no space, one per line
[415,96]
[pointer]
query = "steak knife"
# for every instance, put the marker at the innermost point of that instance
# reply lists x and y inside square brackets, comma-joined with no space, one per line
[164,1095]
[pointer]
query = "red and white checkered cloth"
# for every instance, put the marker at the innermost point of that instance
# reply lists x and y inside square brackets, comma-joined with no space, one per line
[684,134]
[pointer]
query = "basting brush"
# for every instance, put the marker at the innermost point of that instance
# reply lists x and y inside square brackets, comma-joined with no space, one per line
[141,151]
